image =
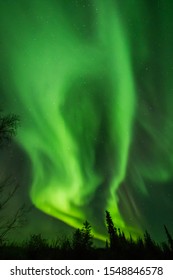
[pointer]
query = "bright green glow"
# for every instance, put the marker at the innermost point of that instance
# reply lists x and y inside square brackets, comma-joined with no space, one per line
[77,70]
[47,60]
[122,92]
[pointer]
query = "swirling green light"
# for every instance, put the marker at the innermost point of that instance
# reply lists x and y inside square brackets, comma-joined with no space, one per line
[74,68]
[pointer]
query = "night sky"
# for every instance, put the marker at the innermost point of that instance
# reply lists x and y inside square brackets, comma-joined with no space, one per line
[92,82]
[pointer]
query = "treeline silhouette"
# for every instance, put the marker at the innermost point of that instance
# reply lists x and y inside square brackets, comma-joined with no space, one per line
[81,246]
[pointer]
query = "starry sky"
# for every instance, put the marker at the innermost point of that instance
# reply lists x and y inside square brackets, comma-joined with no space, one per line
[92,83]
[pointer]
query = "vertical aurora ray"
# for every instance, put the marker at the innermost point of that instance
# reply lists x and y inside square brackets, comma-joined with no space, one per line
[114,38]
[87,79]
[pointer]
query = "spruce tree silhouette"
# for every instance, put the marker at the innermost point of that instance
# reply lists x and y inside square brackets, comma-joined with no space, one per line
[77,240]
[82,241]
[87,236]
[112,231]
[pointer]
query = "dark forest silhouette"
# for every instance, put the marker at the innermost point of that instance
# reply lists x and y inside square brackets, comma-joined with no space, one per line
[81,244]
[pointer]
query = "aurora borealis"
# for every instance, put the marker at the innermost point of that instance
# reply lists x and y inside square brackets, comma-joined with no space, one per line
[92,83]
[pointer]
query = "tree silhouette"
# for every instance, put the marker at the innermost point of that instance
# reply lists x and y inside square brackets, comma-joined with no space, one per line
[87,235]
[169,237]
[82,241]
[112,231]
[77,240]
[36,246]
[17,219]
[8,127]
[81,246]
